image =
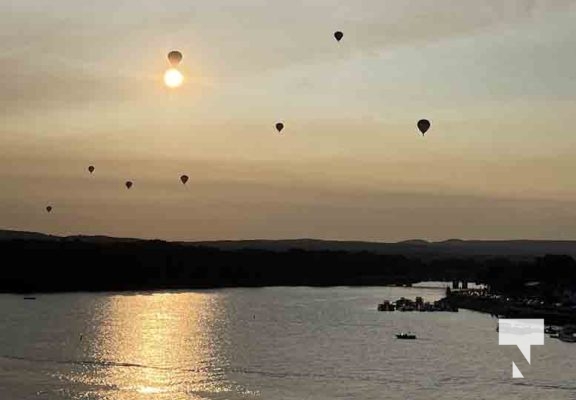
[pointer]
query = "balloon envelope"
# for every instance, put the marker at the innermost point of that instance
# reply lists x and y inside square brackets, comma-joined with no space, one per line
[49,208]
[91,169]
[129,184]
[279,126]
[423,125]
[338,35]
[184,179]
[174,57]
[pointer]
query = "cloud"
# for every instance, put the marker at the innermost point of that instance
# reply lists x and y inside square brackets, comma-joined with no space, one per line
[231,209]
[60,53]
[278,35]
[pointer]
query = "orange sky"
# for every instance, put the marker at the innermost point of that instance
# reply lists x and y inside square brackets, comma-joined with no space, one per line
[81,84]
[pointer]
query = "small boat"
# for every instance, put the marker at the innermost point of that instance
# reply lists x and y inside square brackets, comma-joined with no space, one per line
[552,329]
[29,298]
[568,338]
[406,336]
[386,306]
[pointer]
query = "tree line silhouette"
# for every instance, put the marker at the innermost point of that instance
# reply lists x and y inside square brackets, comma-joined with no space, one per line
[77,265]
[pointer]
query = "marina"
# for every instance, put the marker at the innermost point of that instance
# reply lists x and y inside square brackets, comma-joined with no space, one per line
[403,304]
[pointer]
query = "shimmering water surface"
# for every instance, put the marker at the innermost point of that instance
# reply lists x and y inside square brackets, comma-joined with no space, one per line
[272,343]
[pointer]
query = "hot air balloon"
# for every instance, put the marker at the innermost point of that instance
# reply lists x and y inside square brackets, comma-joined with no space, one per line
[91,169]
[338,35]
[174,57]
[49,209]
[279,126]
[423,126]
[184,179]
[129,184]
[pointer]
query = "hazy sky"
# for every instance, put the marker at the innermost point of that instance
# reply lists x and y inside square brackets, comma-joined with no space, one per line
[81,83]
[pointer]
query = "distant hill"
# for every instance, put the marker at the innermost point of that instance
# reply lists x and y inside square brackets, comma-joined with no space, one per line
[517,248]
[101,239]
[12,235]
[453,247]
[21,235]
[47,263]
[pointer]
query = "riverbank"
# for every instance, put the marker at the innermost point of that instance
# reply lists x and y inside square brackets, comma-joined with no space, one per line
[513,308]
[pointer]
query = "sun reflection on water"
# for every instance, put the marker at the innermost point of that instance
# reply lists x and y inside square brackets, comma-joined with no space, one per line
[163,345]
[149,390]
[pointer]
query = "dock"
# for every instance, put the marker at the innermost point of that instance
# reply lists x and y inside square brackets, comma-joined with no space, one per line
[404,305]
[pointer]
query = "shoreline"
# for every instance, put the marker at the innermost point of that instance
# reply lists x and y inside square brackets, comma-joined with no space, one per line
[552,315]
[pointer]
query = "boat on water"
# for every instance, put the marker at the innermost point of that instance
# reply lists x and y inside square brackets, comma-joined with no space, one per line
[29,298]
[565,334]
[550,329]
[405,336]
[403,304]
[567,337]
[386,306]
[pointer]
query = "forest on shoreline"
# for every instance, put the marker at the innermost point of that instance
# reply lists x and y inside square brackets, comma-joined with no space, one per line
[77,265]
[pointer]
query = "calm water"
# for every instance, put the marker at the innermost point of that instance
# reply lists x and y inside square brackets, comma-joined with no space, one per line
[273,343]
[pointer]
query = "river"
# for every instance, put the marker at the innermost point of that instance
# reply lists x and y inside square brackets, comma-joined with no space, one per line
[271,343]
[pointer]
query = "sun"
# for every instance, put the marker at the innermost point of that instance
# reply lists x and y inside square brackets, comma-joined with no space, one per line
[173,78]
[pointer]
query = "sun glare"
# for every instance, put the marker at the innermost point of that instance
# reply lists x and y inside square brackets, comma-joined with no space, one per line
[173,78]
